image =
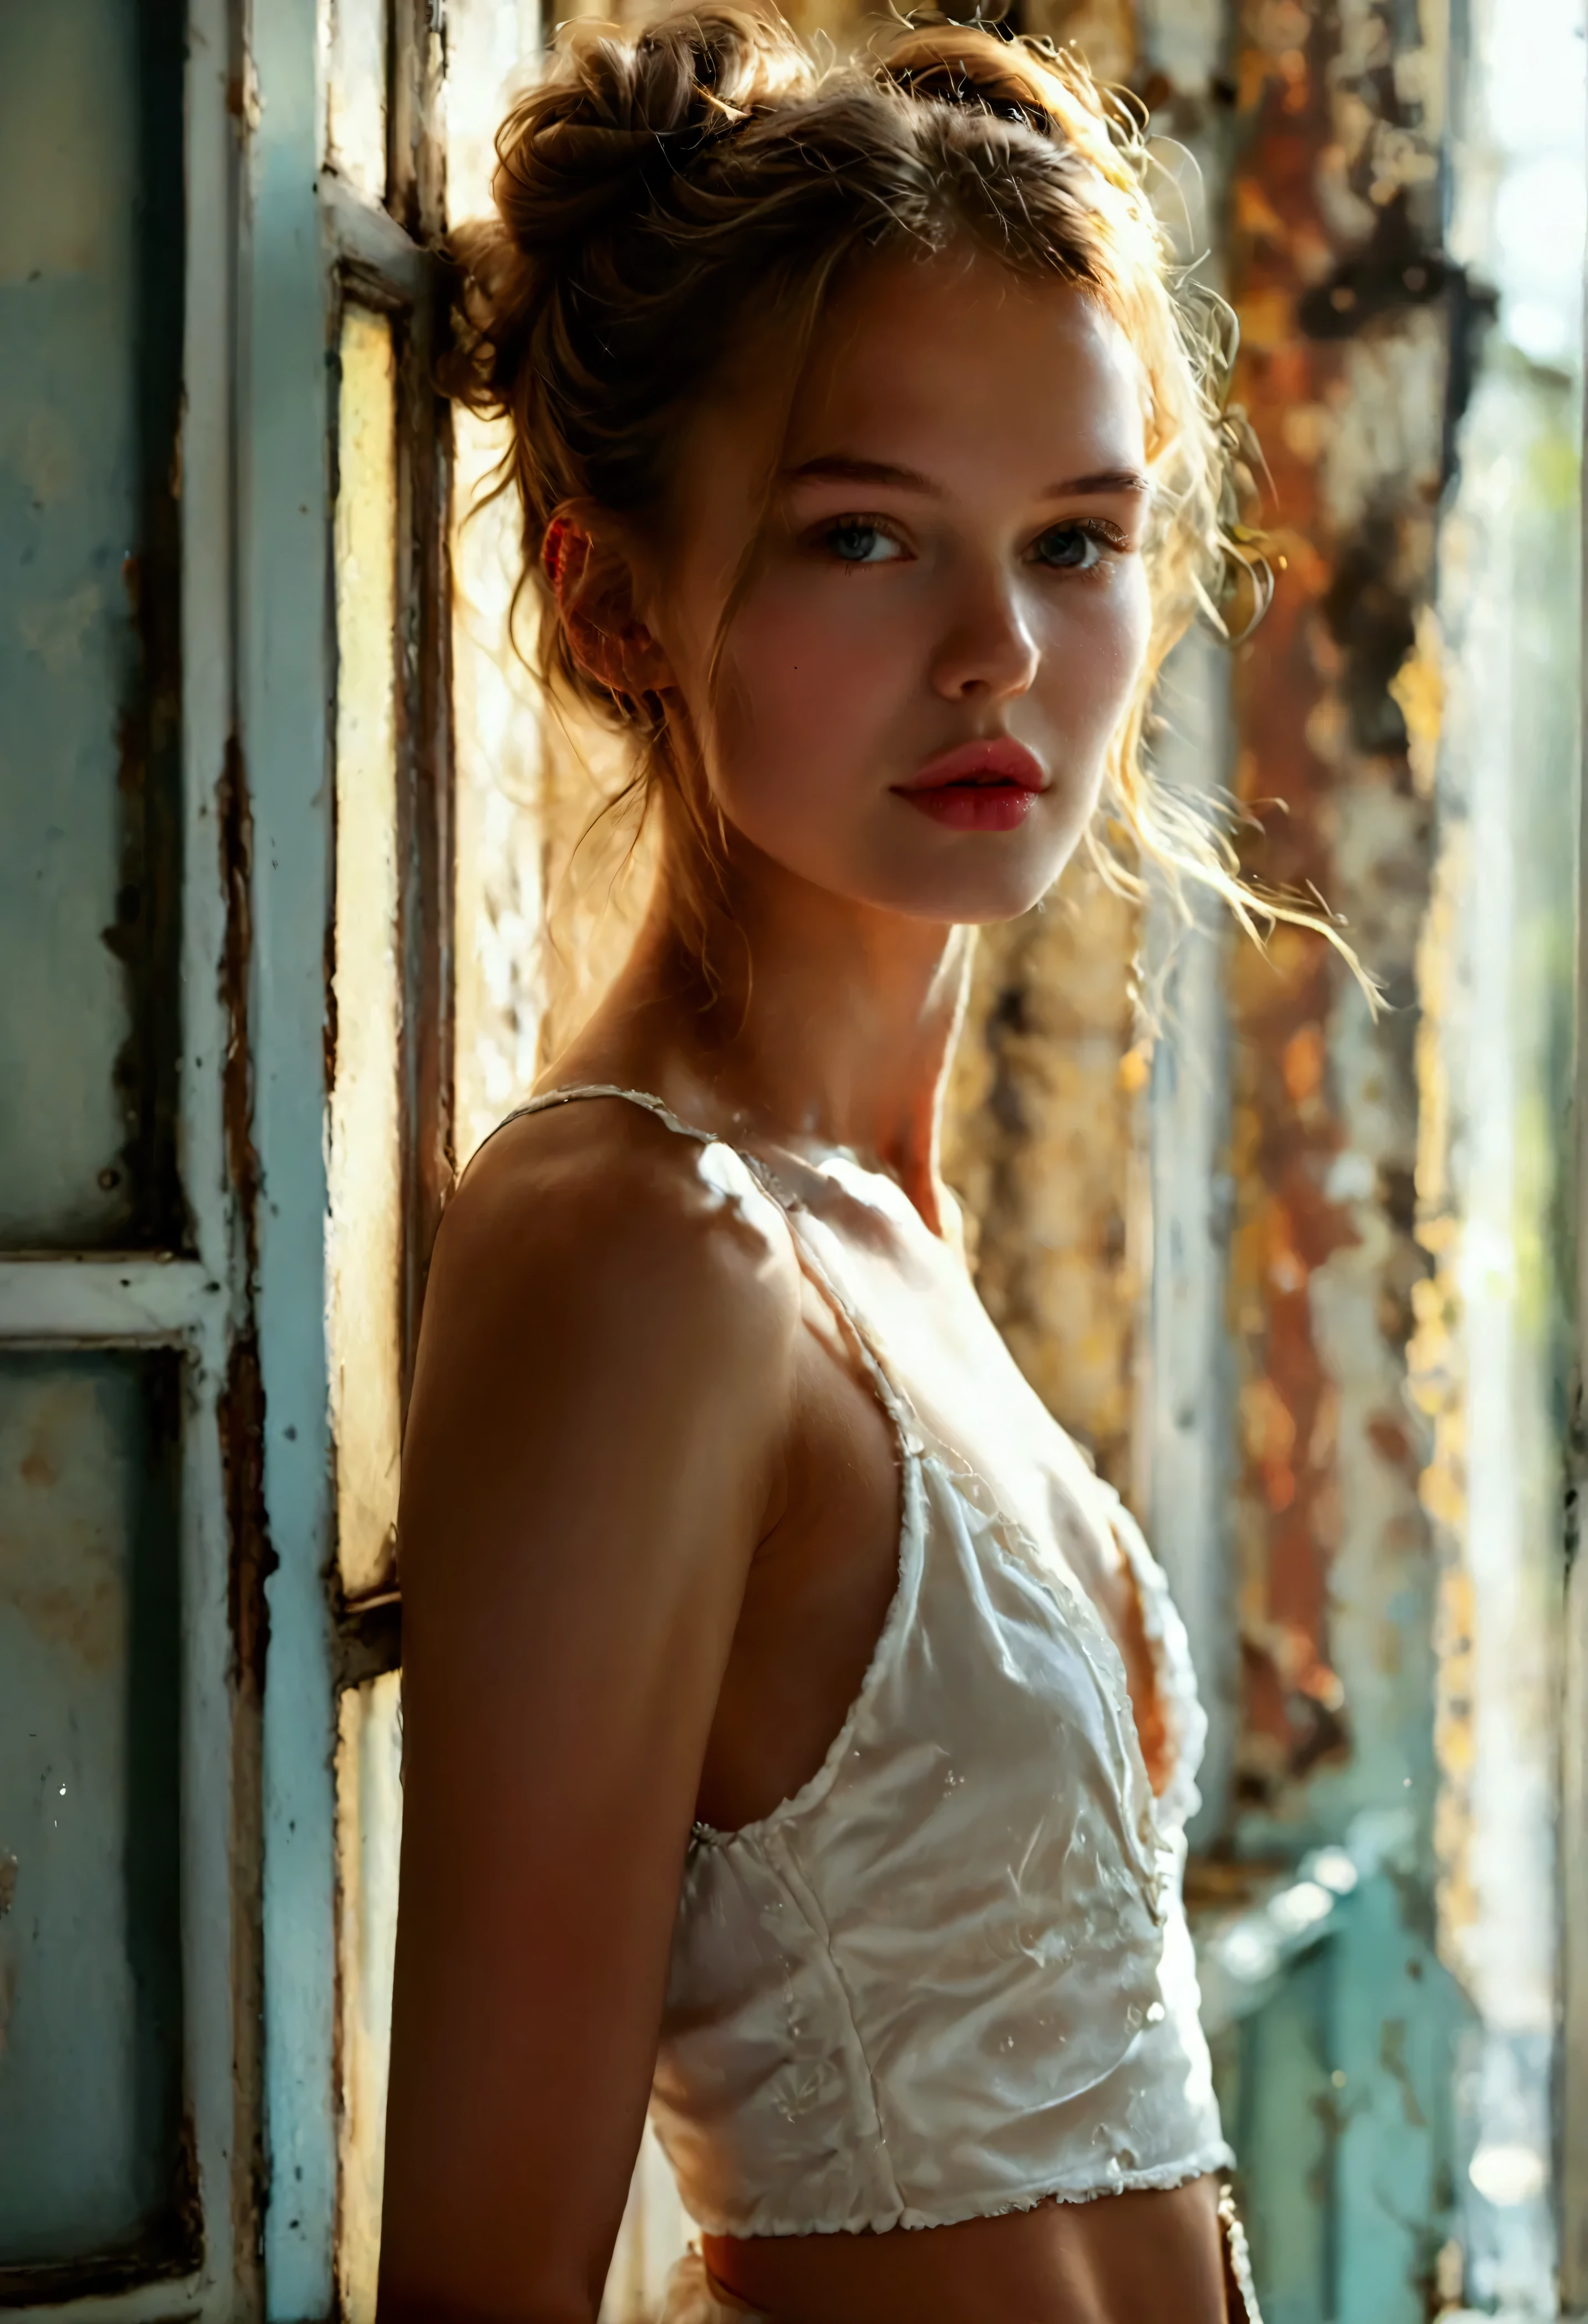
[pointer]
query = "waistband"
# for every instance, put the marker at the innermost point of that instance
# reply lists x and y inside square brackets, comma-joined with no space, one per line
[694,2295]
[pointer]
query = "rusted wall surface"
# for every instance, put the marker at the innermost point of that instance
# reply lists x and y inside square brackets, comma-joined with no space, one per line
[1347,318]
[1042,1144]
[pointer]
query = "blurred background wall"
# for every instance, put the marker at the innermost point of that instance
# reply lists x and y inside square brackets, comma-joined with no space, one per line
[293,904]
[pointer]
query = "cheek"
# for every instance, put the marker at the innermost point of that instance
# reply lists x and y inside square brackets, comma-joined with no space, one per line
[810,683]
[1095,653]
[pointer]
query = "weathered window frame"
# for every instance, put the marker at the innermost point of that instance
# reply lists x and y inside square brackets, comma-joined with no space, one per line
[194,1298]
[344,248]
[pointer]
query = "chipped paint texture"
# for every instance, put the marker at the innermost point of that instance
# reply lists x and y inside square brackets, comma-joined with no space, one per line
[1353,337]
[1344,367]
[1041,1143]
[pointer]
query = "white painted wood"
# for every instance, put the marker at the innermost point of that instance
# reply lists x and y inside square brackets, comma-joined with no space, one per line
[218,2017]
[283,691]
[89,1298]
[1573,1770]
[143,1299]
[1573,2240]
[186,2296]
[355,228]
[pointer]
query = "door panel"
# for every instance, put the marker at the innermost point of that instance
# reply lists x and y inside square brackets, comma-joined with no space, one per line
[90,1968]
[90,297]
[130,1650]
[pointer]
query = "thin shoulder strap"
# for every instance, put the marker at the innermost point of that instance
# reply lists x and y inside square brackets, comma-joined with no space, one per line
[571,1096]
[891,1401]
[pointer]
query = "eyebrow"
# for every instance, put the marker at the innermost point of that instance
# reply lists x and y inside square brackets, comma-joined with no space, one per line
[838,468]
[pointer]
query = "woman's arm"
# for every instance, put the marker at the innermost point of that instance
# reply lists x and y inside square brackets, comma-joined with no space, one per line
[594,1451]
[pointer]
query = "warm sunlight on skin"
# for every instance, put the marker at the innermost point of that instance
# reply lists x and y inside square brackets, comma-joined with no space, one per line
[951,557]
[650,1546]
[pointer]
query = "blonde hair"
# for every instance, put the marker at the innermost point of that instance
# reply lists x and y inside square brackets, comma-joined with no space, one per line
[660,189]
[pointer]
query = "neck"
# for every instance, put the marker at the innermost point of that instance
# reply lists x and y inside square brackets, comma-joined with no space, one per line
[794,1016]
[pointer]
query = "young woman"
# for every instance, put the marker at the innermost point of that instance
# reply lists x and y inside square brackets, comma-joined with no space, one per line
[800,1737]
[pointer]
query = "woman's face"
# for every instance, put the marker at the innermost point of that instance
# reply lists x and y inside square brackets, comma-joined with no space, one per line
[947,611]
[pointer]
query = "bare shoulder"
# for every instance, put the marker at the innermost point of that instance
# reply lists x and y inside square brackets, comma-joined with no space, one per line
[600,1202]
[599,1280]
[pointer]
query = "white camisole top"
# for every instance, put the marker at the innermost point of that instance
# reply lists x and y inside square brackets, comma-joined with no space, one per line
[951,1976]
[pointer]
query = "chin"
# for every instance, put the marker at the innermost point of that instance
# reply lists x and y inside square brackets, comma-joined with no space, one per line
[973,895]
[976,883]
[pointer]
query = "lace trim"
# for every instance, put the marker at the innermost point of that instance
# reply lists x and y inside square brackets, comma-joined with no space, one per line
[1157,2179]
[1173,1670]
[912,1539]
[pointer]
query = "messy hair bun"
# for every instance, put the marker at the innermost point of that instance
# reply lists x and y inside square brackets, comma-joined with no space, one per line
[660,189]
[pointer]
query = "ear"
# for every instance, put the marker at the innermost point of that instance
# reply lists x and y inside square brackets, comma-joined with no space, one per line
[591,569]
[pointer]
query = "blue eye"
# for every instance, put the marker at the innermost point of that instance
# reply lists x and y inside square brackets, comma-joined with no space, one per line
[854,541]
[1069,549]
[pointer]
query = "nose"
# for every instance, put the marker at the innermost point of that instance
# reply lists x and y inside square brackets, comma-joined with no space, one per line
[986,651]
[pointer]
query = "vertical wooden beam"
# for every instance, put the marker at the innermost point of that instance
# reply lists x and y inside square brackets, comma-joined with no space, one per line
[1572,2160]
[1337,278]
[285,692]
[1347,310]
[223,1541]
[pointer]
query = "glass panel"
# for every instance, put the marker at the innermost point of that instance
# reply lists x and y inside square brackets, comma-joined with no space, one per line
[369,1838]
[364,1230]
[90,286]
[352,44]
[90,1994]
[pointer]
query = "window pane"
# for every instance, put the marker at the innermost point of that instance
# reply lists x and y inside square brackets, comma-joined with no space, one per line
[369,1835]
[91,289]
[90,1979]
[352,82]
[364,1236]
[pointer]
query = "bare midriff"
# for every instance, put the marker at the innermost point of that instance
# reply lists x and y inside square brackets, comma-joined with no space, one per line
[1139,2258]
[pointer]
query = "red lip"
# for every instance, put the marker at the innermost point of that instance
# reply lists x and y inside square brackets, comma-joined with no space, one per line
[980,787]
